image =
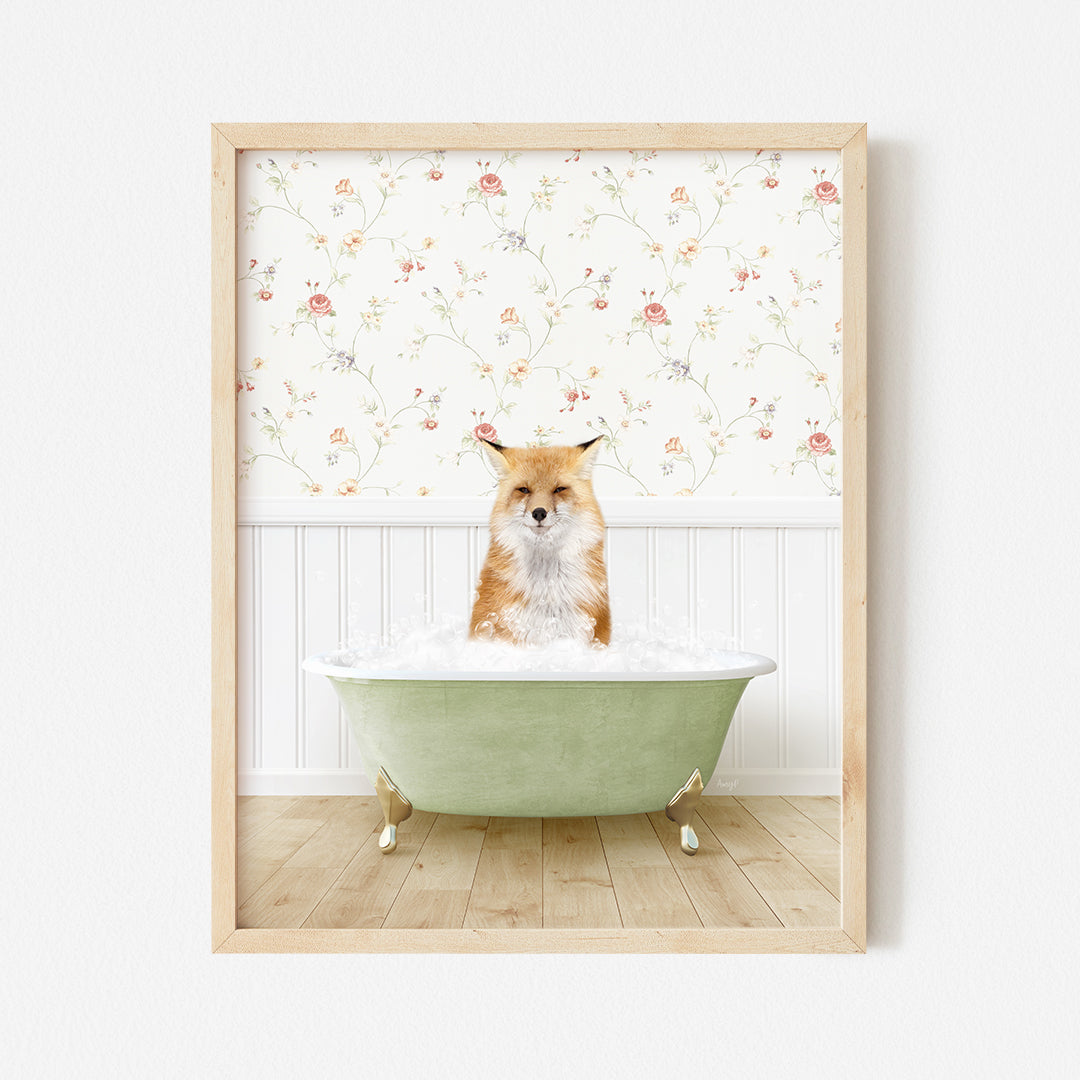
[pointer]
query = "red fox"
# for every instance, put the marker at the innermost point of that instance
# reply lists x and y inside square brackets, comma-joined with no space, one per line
[544,576]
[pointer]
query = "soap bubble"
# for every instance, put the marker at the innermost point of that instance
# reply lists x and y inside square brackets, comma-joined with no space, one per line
[444,644]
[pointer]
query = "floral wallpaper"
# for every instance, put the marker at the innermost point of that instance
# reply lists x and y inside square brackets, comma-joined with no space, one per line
[394,307]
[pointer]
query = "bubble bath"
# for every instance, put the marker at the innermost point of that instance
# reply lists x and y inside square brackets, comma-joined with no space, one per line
[444,647]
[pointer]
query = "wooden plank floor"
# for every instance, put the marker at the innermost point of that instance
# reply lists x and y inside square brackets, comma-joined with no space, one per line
[315,862]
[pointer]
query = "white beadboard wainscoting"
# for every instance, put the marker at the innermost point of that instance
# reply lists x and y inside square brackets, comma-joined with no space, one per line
[311,572]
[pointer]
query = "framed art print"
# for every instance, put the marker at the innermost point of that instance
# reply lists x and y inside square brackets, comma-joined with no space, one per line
[411,323]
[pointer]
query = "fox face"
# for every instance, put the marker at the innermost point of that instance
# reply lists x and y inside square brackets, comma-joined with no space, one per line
[544,492]
[544,575]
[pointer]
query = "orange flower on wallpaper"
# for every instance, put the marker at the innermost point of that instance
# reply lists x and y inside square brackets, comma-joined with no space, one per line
[679,195]
[509,316]
[690,250]
[343,188]
[338,436]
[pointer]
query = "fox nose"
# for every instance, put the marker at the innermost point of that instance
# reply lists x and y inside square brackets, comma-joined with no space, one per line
[539,513]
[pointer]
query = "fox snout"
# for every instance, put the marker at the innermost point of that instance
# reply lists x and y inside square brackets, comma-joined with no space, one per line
[539,514]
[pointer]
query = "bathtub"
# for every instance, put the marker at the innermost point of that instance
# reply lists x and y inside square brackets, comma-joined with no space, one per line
[540,744]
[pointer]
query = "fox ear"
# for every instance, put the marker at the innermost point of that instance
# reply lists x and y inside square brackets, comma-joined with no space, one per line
[587,459]
[497,456]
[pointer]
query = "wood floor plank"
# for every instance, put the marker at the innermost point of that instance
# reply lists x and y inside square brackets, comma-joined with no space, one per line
[253,812]
[260,856]
[577,885]
[286,899]
[796,896]
[348,825]
[367,888]
[811,845]
[720,892]
[822,810]
[436,890]
[630,841]
[314,807]
[651,897]
[507,890]
[648,892]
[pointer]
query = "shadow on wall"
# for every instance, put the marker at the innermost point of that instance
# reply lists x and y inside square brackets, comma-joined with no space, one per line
[895,243]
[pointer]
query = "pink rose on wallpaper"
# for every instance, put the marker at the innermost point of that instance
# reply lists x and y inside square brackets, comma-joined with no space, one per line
[764,433]
[770,182]
[435,174]
[600,303]
[430,424]
[655,314]
[826,192]
[819,443]
[674,446]
[338,435]
[490,184]
[343,187]
[679,195]
[485,433]
[320,304]
[264,294]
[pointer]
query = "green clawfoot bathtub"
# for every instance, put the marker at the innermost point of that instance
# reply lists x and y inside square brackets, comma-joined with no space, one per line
[540,744]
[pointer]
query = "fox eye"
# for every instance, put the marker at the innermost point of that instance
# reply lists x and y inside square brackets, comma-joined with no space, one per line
[524,491]
[558,489]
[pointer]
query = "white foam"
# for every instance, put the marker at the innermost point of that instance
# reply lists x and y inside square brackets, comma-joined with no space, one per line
[444,646]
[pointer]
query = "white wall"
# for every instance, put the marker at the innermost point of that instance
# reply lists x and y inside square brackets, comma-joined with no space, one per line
[104,659]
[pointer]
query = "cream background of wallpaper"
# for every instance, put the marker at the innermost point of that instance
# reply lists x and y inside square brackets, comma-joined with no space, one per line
[381,315]
[105,539]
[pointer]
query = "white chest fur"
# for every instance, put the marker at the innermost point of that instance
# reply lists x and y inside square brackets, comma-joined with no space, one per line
[552,575]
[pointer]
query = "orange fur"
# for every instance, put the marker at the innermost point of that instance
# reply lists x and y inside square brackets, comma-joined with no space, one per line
[550,569]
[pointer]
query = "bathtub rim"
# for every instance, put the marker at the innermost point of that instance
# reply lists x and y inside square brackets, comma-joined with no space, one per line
[754,665]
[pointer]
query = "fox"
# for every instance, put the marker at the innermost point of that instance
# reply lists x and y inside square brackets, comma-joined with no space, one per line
[544,576]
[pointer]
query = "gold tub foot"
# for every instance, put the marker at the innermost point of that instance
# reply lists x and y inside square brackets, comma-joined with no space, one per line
[395,807]
[681,811]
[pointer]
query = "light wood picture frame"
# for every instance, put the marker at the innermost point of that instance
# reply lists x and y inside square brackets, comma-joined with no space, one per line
[227,141]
